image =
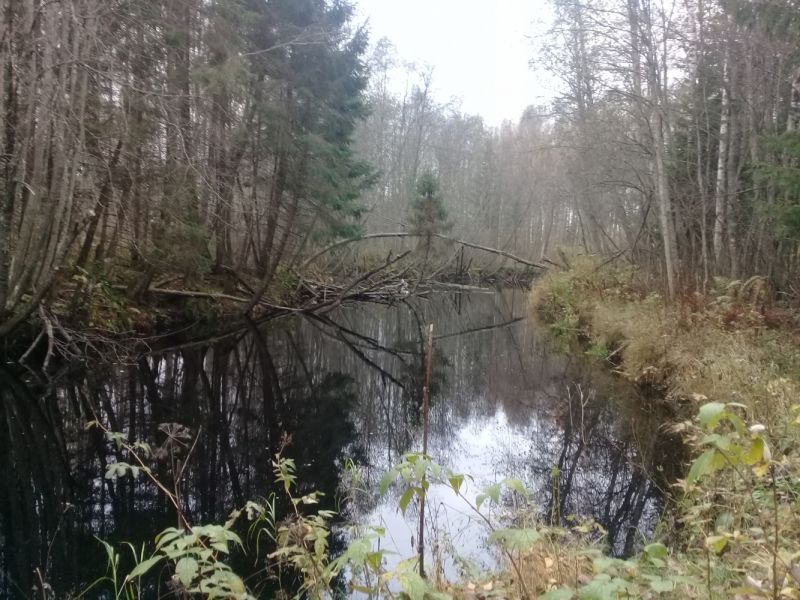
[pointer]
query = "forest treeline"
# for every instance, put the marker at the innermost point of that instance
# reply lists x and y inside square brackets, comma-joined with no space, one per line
[145,138]
[173,136]
[672,142]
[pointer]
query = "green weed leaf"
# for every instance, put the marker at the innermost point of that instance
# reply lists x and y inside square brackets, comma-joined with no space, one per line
[736,421]
[455,482]
[413,585]
[601,588]
[493,491]
[700,466]
[557,595]
[516,539]
[600,564]
[407,564]
[143,567]
[662,585]
[709,411]
[756,452]
[716,543]
[405,499]
[516,485]
[186,569]
[658,551]
[166,536]
[723,442]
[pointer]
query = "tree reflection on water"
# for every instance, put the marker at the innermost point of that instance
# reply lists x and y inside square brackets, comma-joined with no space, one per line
[347,385]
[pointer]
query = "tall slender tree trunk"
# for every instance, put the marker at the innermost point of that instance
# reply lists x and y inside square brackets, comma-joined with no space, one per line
[731,191]
[793,122]
[661,177]
[664,204]
[722,164]
[8,120]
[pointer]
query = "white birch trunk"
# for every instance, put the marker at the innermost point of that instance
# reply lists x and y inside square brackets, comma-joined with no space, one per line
[722,164]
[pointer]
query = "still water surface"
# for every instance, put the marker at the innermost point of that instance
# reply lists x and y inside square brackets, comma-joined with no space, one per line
[346,386]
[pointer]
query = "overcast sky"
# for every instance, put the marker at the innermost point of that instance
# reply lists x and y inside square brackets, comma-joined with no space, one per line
[478,47]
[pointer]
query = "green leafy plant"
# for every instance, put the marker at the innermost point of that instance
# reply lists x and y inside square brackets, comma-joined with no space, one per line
[739,504]
[192,553]
[743,524]
[416,471]
[303,539]
[598,349]
[527,548]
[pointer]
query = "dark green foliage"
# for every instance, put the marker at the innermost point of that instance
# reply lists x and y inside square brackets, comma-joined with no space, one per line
[783,174]
[313,123]
[429,213]
[780,19]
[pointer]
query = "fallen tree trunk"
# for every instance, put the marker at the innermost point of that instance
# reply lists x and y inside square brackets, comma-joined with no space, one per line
[189,294]
[389,262]
[402,234]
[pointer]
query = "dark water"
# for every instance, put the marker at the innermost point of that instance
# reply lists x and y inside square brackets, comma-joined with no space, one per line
[347,386]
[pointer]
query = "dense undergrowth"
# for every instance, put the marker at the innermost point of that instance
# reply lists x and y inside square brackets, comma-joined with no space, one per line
[544,562]
[733,359]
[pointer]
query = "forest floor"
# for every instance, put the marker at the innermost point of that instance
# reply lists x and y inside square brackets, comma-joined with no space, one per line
[729,364]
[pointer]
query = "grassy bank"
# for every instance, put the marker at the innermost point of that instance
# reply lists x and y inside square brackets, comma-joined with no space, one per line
[727,347]
[730,362]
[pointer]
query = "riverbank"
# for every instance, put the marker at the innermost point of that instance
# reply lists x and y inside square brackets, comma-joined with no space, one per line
[731,346]
[732,359]
[122,312]
[586,472]
[123,304]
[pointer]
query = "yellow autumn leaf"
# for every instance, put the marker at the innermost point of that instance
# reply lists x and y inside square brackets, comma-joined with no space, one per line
[716,542]
[761,469]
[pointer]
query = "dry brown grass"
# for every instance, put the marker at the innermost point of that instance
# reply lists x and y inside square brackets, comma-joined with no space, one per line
[727,347]
[697,348]
[554,564]
[557,561]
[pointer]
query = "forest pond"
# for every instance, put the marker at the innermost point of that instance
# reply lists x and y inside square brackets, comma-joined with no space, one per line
[344,386]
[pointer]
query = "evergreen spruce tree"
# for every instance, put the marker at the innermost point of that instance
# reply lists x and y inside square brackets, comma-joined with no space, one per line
[781,169]
[784,175]
[429,215]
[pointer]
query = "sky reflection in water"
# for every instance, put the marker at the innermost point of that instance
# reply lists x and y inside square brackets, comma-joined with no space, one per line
[346,386]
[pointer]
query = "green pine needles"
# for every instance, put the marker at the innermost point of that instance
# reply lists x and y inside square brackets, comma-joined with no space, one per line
[429,213]
[783,175]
